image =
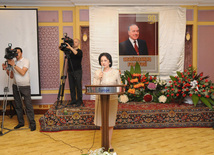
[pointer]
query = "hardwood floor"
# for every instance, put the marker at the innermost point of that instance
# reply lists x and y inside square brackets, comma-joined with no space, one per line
[169,141]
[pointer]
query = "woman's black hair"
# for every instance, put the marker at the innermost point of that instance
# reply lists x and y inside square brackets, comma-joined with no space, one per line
[108,56]
[18,48]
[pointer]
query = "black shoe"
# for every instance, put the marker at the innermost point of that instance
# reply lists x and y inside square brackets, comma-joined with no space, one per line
[77,105]
[18,126]
[111,150]
[72,103]
[32,127]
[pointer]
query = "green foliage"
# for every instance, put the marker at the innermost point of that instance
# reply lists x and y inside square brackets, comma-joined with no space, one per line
[195,99]
[137,68]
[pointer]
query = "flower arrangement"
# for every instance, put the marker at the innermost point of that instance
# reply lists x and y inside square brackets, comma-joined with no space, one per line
[187,86]
[141,87]
[190,84]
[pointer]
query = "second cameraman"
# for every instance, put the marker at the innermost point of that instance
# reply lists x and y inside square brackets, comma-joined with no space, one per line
[21,87]
[75,73]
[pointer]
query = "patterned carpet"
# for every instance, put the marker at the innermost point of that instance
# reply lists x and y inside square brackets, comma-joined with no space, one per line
[129,116]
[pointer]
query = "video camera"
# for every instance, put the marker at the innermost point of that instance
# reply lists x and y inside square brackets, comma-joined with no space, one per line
[10,53]
[66,40]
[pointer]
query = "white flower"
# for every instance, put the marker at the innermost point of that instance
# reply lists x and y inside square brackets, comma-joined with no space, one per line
[101,151]
[123,98]
[106,153]
[162,99]
[194,84]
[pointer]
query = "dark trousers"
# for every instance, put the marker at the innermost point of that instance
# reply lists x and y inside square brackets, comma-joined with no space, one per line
[25,92]
[75,83]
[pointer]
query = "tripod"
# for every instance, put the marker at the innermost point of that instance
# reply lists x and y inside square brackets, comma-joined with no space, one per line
[63,78]
[6,90]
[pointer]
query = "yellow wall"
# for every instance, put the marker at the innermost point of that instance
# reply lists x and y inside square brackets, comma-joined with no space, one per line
[195,24]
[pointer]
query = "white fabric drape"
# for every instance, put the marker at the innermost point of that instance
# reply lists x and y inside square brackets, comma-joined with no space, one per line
[172,25]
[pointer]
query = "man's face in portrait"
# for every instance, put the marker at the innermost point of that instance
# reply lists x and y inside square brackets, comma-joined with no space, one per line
[133,32]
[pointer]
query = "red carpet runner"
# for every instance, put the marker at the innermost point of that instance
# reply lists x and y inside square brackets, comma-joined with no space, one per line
[132,115]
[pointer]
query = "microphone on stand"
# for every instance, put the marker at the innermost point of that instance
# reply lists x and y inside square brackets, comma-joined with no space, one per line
[102,68]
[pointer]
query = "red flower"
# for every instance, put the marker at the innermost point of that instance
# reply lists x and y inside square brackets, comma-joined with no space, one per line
[128,79]
[190,65]
[170,81]
[203,85]
[204,90]
[177,94]
[206,80]
[147,98]
[199,95]
[185,70]
[201,74]
[172,94]
[207,96]
[190,95]
[184,95]
[211,87]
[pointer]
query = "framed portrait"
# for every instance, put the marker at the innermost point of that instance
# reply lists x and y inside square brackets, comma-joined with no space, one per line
[138,42]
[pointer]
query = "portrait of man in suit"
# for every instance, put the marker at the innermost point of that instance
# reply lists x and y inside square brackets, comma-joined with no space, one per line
[133,45]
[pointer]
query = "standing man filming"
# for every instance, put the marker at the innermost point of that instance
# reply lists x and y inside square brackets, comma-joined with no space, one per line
[75,73]
[21,88]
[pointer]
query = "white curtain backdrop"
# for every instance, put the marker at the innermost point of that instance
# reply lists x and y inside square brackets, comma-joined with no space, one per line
[104,36]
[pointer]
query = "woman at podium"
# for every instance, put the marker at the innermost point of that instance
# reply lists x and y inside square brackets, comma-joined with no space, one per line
[106,76]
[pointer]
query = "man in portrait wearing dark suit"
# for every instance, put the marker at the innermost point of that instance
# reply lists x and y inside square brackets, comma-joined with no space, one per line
[133,46]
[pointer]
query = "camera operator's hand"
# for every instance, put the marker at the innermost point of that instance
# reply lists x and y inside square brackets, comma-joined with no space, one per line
[4,66]
[71,48]
[11,62]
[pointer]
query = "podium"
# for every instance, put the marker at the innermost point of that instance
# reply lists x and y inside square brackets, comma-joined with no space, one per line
[105,91]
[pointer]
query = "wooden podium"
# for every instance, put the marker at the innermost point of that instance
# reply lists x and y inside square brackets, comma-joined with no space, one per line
[105,91]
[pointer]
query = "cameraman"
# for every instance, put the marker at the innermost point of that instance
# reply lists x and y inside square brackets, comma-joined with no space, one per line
[75,73]
[21,87]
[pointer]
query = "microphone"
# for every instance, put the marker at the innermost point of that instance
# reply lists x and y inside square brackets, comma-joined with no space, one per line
[102,68]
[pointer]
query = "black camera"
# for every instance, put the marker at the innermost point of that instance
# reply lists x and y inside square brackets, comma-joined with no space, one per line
[10,53]
[66,40]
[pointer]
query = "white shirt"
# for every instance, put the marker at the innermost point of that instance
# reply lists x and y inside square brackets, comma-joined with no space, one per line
[132,41]
[18,78]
